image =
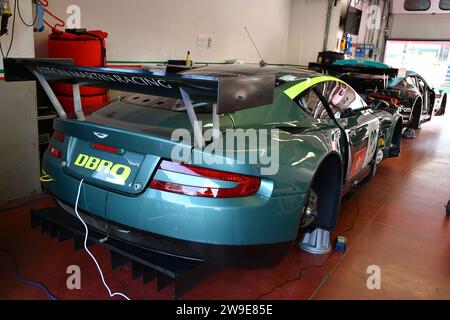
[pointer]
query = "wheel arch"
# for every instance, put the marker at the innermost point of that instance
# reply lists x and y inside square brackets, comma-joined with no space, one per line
[328,179]
[397,135]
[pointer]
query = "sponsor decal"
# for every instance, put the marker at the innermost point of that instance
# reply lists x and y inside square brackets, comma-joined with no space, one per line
[114,173]
[103,77]
[357,162]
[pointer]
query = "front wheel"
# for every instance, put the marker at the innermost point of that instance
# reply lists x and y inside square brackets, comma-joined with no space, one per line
[441,110]
[322,200]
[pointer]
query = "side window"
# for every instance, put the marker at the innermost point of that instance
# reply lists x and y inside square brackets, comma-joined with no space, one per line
[417,5]
[421,83]
[311,104]
[444,4]
[341,97]
[411,81]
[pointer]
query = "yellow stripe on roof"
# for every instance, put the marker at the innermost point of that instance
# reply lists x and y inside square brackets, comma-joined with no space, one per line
[298,88]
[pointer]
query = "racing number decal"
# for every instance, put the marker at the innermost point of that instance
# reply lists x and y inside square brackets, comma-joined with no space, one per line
[373,128]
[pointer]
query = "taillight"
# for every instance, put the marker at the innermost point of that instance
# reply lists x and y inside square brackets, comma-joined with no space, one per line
[245,185]
[55,152]
[104,148]
[58,136]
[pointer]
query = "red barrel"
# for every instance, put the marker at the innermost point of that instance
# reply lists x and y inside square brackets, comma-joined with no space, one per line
[87,49]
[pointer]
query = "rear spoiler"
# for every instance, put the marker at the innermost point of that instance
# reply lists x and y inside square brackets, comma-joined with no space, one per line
[229,94]
[337,69]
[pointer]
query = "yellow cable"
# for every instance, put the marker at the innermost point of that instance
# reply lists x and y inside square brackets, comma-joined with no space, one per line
[46,178]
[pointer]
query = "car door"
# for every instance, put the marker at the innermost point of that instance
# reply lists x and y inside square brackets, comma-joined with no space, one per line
[360,125]
[425,92]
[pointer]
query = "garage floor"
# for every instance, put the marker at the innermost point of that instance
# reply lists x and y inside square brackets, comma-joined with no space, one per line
[401,227]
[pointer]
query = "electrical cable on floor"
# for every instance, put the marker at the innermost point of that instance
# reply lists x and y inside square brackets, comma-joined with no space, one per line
[111,294]
[298,277]
[356,216]
[342,257]
[26,281]
[25,204]
[300,272]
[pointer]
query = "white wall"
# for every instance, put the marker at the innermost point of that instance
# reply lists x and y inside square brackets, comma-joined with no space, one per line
[19,163]
[307,30]
[152,30]
[421,27]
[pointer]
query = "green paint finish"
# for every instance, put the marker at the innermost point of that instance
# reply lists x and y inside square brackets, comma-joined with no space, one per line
[270,216]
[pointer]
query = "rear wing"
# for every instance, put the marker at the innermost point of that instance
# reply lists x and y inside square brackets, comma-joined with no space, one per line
[227,94]
[337,69]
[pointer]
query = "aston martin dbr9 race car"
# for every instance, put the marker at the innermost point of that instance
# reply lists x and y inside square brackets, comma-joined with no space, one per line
[231,206]
[416,101]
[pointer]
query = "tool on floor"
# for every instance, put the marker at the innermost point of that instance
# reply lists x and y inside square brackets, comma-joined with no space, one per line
[316,241]
[341,244]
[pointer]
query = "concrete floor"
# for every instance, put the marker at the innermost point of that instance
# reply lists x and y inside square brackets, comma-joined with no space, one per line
[401,227]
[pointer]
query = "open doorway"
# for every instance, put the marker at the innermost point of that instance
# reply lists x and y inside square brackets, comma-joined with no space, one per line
[430,59]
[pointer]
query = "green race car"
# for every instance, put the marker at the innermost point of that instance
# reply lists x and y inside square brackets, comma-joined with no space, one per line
[152,176]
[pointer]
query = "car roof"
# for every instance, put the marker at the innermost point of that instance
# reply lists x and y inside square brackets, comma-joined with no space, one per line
[240,70]
[363,63]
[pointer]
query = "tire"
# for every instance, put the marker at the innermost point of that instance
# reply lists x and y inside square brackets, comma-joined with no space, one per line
[327,187]
[415,114]
[396,141]
[447,208]
[441,110]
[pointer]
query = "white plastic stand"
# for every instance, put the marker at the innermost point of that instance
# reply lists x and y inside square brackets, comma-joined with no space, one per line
[316,242]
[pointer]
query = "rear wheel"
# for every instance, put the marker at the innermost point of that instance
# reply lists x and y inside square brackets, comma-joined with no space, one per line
[309,213]
[321,205]
[416,113]
[448,208]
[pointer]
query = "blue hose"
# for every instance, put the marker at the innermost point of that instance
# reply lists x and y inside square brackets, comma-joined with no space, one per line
[28,203]
[26,281]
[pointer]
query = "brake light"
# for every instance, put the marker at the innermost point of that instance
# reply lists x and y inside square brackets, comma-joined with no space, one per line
[58,136]
[55,152]
[105,148]
[245,185]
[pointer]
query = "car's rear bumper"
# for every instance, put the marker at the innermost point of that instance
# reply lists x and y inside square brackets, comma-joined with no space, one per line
[245,256]
[246,232]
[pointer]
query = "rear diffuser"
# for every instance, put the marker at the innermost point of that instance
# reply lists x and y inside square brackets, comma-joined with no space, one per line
[182,274]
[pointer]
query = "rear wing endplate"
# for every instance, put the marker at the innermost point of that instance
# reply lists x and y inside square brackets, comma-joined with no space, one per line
[227,94]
